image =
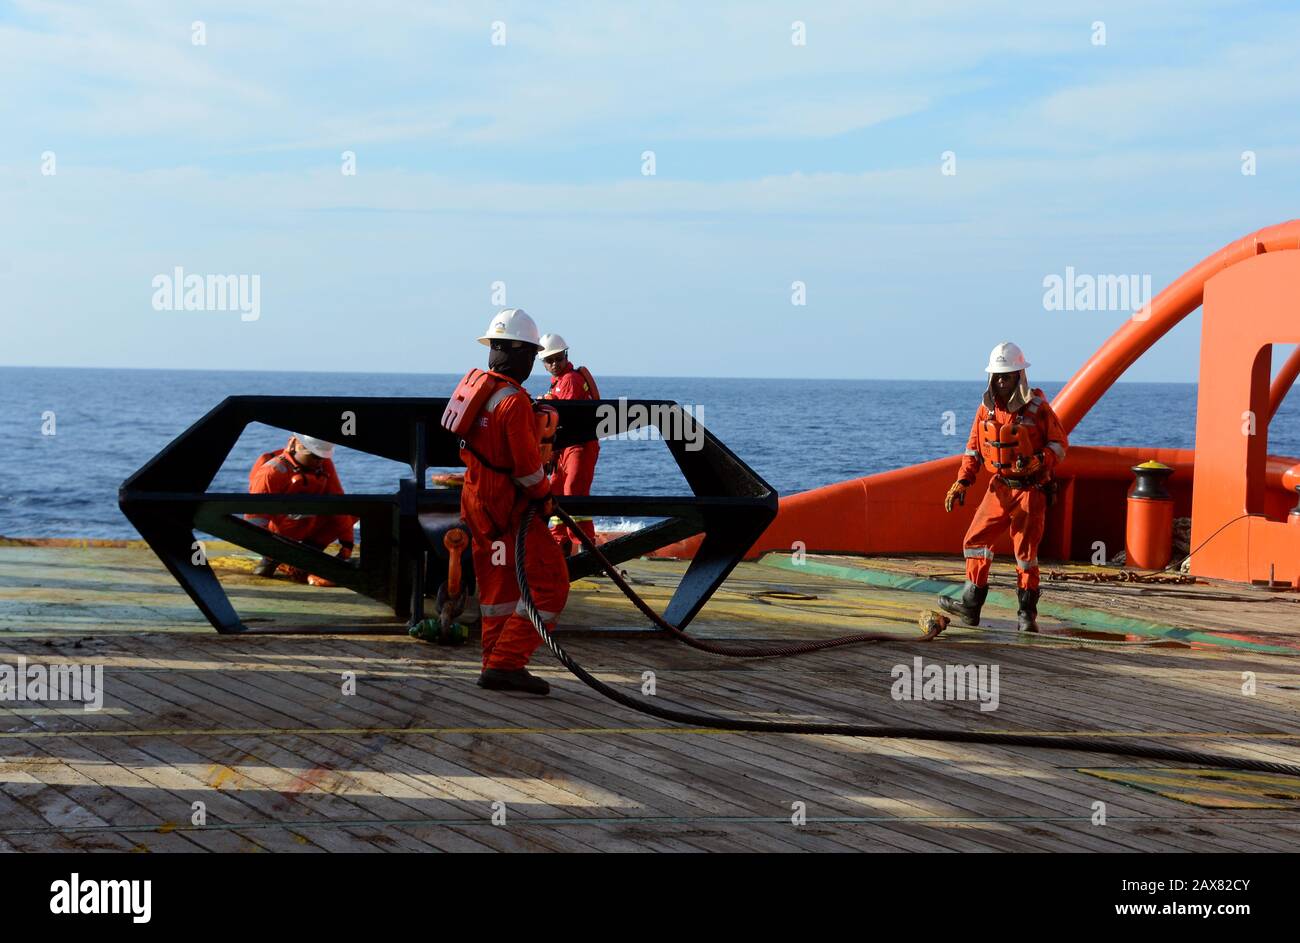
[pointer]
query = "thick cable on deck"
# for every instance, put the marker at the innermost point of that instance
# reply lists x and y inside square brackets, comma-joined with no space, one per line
[1077,744]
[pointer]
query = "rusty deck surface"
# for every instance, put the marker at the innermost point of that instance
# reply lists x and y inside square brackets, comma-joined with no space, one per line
[259,730]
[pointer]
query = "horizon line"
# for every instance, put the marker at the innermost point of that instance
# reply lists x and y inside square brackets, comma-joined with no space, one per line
[630,376]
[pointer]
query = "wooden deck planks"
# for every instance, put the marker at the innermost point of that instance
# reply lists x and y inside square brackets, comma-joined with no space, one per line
[635,786]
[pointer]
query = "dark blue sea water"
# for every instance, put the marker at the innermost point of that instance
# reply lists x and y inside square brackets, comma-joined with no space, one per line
[798,434]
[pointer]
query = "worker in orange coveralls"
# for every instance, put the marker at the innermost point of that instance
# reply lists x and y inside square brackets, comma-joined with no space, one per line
[503,473]
[576,465]
[1019,439]
[304,466]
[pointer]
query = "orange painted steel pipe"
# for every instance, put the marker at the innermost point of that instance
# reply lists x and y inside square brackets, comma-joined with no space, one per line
[1290,476]
[901,510]
[1283,382]
[1291,482]
[454,541]
[1183,296]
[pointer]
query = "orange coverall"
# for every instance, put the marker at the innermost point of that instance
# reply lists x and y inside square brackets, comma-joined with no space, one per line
[1024,509]
[277,473]
[576,465]
[492,502]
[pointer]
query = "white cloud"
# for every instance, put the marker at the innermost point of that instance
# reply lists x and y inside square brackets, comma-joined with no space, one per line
[292,74]
[1064,174]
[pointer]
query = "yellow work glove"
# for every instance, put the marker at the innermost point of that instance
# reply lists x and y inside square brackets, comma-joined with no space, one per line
[1030,466]
[956,493]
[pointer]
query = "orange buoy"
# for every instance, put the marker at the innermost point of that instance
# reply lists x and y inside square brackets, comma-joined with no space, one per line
[1149,537]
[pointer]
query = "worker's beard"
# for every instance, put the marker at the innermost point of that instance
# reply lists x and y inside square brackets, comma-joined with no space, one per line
[515,362]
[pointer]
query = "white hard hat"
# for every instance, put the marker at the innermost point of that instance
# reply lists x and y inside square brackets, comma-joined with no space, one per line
[512,324]
[1006,358]
[552,344]
[318,447]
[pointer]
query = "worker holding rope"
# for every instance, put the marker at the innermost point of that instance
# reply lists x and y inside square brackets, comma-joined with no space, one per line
[1019,439]
[505,442]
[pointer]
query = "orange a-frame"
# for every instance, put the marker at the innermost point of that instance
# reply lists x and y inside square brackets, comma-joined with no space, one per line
[1237,495]
[1245,535]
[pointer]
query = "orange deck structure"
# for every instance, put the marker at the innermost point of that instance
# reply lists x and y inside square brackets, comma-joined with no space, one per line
[1238,496]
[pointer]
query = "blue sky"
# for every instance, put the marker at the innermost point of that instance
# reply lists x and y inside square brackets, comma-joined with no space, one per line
[522,163]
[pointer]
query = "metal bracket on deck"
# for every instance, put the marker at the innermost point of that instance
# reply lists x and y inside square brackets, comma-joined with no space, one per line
[400,544]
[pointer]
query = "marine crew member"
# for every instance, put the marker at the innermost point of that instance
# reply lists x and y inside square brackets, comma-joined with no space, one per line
[304,466]
[1019,439]
[503,455]
[575,467]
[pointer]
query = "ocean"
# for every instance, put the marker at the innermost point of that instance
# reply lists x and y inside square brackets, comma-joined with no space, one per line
[797,434]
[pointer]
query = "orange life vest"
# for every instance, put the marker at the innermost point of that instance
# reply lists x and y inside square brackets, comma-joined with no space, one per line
[590,383]
[1001,445]
[467,400]
[548,421]
[471,395]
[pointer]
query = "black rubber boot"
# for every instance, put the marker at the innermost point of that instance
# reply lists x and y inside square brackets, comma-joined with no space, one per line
[265,567]
[1027,617]
[516,679]
[966,607]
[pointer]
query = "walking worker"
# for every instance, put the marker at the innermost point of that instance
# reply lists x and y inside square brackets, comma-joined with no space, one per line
[1019,439]
[505,444]
[575,467]
[304,466]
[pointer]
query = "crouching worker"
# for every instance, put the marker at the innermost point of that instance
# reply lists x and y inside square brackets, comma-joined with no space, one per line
[304,466]
[503,445]
[576,465]
[1019,439]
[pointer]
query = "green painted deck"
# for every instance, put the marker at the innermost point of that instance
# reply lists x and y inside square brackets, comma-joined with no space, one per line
[257,727]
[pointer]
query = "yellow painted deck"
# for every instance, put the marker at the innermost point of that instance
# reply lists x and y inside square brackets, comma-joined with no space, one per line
[258,729]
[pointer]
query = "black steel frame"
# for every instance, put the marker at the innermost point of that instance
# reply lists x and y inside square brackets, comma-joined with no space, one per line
[167,500]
